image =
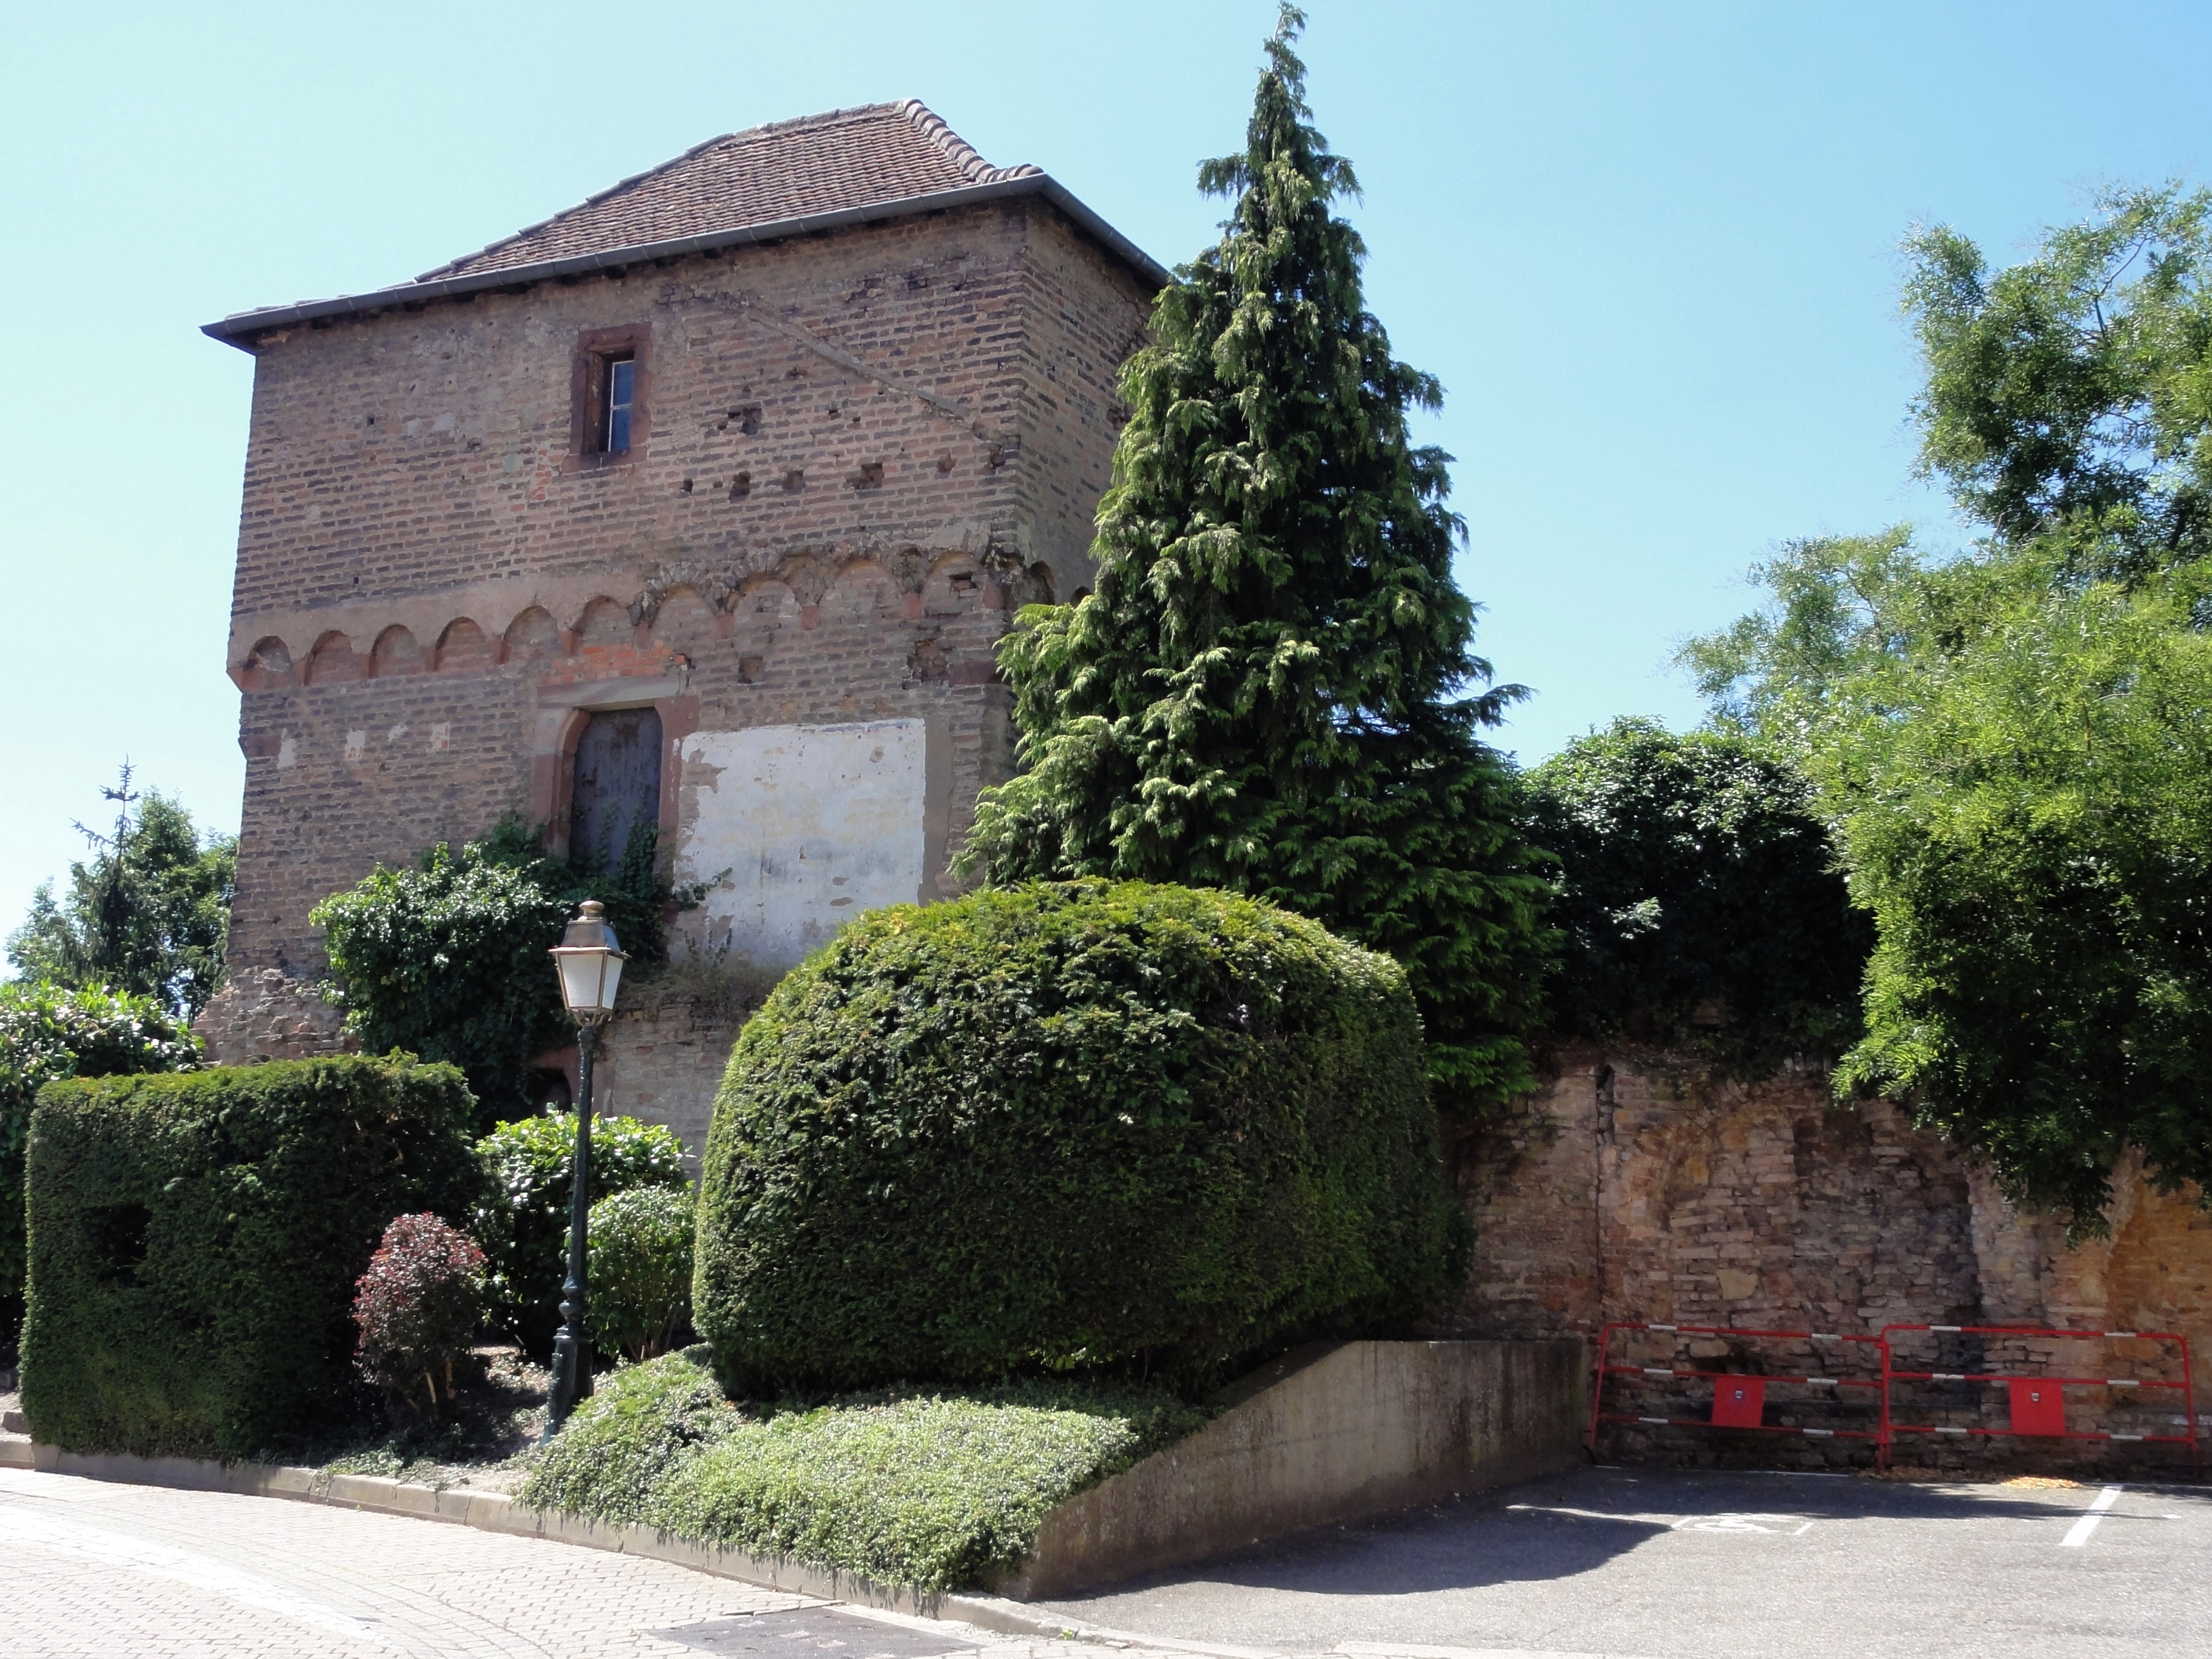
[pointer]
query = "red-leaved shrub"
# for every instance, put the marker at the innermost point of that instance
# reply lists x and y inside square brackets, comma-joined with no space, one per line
[417,1308]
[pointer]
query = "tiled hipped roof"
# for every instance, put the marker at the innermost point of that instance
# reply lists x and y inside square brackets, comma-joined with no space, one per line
[849,158]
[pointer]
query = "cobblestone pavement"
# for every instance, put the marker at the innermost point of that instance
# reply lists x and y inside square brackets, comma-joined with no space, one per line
[96,1568]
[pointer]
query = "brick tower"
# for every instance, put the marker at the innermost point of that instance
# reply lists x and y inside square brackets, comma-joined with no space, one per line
[703,503]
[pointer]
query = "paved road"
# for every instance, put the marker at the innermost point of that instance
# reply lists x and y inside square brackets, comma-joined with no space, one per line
[1626,1565]
[1675,1566]
[113,1571]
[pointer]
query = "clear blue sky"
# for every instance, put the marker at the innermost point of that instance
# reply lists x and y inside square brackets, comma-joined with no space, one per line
[1649,250]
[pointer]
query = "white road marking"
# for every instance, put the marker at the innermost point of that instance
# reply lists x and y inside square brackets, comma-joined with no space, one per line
[2080,1533]
[28,1530]
[1733,1521]
[1406,1650]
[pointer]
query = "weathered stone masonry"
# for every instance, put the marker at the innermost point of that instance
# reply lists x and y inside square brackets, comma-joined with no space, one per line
[1632,1187]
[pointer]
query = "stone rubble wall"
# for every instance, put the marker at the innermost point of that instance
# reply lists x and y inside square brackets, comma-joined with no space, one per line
[267,1014]
[1630,1186]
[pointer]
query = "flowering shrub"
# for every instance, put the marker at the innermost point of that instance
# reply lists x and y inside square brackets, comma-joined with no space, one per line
[417,1307]
[641,1270]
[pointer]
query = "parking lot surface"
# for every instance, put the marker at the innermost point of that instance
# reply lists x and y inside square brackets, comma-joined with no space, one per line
[1636,1563]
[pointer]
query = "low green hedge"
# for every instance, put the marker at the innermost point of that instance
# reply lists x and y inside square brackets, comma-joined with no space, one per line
[195,1240]
[934,1489]
[1069,1125]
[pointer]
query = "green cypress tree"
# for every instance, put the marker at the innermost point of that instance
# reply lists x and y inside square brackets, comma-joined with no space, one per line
[1269,690]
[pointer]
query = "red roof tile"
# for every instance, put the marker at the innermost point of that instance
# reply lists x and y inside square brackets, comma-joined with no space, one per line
[849,158]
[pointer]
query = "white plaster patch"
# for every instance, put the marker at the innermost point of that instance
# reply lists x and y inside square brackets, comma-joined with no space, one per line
[814,824]
[442,736]
[288,751]
[356,745]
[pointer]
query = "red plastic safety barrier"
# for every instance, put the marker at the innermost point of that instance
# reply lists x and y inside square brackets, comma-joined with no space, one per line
[1739,1399]
[2037,1403]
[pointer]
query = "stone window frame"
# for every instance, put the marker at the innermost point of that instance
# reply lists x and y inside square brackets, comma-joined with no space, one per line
[588,372]
[564,712]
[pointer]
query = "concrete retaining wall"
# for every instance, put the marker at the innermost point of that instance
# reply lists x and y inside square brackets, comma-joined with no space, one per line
[1330,1433]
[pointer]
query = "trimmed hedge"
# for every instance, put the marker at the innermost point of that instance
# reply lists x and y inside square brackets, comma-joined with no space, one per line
[1069,1125]
[195,1240]
[48,1032]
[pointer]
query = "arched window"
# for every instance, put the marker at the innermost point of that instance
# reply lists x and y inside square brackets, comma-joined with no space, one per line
[617,789]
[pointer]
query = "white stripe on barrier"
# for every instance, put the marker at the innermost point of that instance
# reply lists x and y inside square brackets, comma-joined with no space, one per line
[2123,1437]
[1662,1327]
[1825,1382]
[1658,1370]
[2116,1333]
[2122,1383]
[1947,1376]
[1940,1429]
[1652,1419]
[1825,1434]
[1954,1329]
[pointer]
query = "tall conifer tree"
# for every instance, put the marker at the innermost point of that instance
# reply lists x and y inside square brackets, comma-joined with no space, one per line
[1269,689]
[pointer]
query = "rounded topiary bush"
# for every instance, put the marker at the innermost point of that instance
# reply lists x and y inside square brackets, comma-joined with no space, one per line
[1065,1124]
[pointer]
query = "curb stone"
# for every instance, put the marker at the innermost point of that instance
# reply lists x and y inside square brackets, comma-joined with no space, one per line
[497,1512]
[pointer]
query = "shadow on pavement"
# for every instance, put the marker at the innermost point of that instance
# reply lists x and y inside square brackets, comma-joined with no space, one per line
[1563,1525]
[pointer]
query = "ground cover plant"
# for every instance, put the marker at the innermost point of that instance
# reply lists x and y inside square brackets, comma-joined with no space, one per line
[934,1488]
[1070,1125]
[486,1434]
[48,1032]
[196,1239]
[521,1216]
[1272,687]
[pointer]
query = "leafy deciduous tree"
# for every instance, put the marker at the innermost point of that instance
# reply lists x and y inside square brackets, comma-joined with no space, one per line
[2015,744]
[146,915]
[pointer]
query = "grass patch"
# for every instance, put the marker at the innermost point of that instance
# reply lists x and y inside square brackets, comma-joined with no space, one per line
[931,1488]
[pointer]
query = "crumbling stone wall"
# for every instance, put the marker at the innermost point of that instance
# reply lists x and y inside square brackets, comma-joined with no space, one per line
[1632,1187]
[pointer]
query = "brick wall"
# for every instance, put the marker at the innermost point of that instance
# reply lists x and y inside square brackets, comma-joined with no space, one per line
[1630,1187]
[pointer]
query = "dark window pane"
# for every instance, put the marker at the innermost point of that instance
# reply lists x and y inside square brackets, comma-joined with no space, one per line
[617,786]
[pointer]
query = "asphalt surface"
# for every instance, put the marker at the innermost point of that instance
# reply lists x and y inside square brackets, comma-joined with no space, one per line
[1632,1564]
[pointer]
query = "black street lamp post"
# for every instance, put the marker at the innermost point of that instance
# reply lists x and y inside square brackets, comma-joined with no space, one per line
[590,961]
